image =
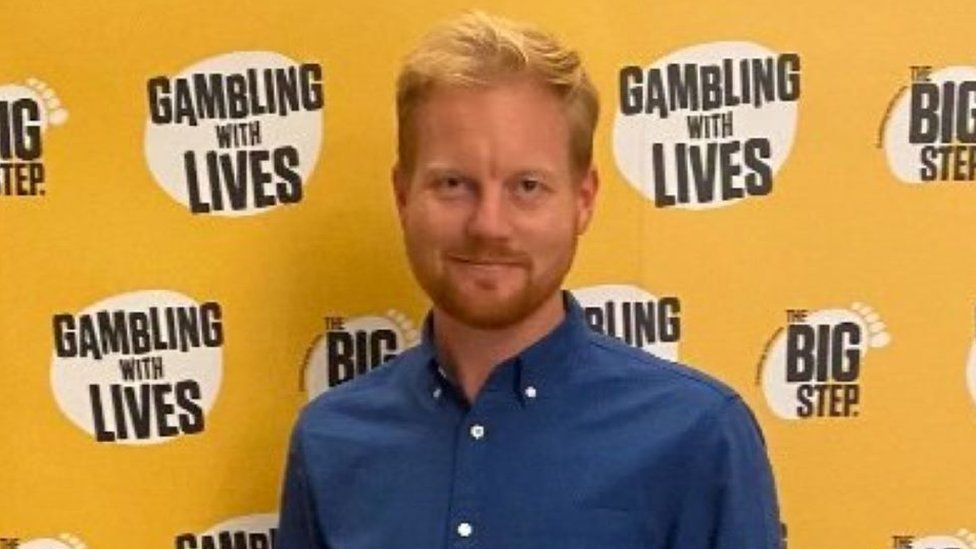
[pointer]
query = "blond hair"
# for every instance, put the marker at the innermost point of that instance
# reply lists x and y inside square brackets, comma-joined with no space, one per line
[476,50]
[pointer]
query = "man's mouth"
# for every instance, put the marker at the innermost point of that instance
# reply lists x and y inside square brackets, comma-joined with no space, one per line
[487,261]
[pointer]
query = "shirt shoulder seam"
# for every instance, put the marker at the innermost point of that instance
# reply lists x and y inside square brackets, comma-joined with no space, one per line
[726,392]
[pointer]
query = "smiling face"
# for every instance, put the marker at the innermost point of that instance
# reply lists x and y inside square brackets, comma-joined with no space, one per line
[491,209]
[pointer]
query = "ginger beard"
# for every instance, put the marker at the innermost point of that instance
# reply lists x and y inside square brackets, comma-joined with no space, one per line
[484,286]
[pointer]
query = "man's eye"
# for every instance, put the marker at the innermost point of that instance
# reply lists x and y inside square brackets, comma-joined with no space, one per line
[450,184]
[528,185]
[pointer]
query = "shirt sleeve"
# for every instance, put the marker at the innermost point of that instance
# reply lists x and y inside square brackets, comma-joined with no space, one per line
[732,501]
[298,526]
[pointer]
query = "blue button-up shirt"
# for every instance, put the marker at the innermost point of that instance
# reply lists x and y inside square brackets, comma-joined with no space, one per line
[578,442]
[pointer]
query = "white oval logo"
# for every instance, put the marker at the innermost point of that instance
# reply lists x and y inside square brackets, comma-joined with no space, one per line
[931,131]
[634,316]
[812,367]
[138,368]
[26,112]
[708,125]
[236,134]
[353,346]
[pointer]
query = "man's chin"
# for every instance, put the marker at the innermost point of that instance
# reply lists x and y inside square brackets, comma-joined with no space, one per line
[487,311]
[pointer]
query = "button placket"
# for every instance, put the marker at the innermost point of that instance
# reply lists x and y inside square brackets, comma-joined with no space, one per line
[474,432]
[463,517]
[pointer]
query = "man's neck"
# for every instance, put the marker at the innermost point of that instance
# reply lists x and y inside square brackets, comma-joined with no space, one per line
[469,354]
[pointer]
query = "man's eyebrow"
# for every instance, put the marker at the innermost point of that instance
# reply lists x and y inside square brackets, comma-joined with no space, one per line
[542,173]
[440,170]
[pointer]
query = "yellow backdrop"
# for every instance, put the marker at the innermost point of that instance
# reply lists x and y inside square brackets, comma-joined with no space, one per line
[173,289]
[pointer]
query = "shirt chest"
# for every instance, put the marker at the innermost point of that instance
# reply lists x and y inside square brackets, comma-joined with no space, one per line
[504,473]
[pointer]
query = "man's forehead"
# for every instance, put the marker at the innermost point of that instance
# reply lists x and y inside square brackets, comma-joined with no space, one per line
[510,126]
[513,89]
[515,114]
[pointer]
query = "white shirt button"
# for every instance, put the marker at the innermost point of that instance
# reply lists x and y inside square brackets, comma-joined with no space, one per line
[530,391]
[437,392]
[464,529]
[477,431]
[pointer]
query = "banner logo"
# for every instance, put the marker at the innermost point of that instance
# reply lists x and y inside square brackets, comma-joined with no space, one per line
[352,346]
[930,131]
[138,368]
[236,134]
[634,316]
[707,126]
[811,368]
[247,532]
[26,112]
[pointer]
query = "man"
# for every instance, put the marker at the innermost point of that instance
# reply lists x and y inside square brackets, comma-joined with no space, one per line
[512,425]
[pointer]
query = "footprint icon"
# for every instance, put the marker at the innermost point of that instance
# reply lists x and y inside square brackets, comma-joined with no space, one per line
[55,113]
[871,324]
[405,326]
[63,541]
[52,112]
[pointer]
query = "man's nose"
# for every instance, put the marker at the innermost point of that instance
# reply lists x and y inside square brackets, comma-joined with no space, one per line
[489,218]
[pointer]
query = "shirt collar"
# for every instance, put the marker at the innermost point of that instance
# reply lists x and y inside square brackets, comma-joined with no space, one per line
[534,373]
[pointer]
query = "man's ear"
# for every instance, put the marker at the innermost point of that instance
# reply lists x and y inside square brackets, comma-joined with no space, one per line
[587,190]
[401,186]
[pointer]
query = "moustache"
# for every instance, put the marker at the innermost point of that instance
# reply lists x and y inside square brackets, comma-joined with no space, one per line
[489,255]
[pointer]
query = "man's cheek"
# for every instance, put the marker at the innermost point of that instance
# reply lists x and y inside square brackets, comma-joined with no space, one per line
[559,232]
